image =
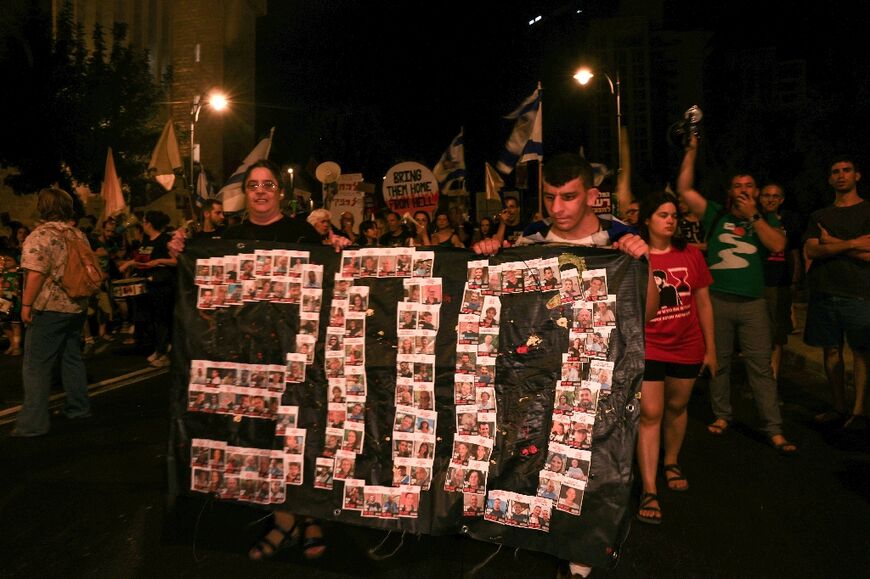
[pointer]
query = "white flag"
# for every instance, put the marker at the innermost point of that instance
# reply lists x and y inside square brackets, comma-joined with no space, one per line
[232,194]
[165,158]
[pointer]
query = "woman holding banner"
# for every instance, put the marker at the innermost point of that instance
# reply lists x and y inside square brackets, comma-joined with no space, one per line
[264,190]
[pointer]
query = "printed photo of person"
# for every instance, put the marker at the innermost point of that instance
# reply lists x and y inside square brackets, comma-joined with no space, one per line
[350,265]
[409,504]
[422,477]
[603,314]
[472,301]
[422,265]
[512,281]
[369,266]
[294,472]
[344,466]
[569,499]
[472,505]
[352,441]
[496,507]
[405,423]
[595,285]
[323,473]
[424,345]
[358,299]
[402,448]
[465,363]
[475,481]
[407,319]
[455,478]
[403,264]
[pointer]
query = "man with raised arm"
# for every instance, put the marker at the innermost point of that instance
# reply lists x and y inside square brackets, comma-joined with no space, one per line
[739,241]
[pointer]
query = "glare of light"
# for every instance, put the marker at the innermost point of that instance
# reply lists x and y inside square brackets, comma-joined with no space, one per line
[218,101]
[583,76]
[290,170]
[535,19]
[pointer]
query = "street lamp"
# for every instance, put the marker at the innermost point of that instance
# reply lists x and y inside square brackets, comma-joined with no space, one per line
[217,101]
[583,76]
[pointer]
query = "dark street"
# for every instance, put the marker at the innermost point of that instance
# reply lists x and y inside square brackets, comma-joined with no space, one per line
[90,500]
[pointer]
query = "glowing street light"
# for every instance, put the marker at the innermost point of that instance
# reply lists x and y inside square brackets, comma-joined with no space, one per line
[218,101]
[583,76]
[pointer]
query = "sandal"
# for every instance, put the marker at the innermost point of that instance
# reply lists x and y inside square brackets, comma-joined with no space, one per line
[645,500]
[718,427]
[678,477]
[266,548]
[785,447]
[312,547]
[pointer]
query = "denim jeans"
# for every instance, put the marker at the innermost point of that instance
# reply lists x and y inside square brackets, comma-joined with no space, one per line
[51,337]
[749,320]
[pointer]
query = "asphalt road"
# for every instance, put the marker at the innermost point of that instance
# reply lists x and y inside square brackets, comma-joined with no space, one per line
[90,500]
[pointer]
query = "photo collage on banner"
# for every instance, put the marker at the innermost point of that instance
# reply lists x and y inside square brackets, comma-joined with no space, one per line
[272,275]
[585,373]
[413,436]
[255,390]
[477,345]
[253,475]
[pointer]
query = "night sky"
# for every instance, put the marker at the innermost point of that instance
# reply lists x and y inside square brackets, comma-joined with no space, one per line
[370,84]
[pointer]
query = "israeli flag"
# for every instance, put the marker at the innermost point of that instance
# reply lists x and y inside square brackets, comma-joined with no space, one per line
[450,170]
[232,194]
[526,142]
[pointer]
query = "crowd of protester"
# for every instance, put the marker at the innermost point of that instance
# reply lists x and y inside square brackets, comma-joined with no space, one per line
[740,303]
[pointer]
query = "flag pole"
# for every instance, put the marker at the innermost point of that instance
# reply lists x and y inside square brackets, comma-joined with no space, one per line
[540,161]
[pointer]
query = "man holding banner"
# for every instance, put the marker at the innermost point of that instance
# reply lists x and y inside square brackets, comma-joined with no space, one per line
[569,199]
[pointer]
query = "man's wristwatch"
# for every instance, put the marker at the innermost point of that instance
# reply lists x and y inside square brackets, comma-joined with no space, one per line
[755,218]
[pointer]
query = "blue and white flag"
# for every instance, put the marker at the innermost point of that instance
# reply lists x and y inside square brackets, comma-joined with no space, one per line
[450,170]
[204,188]
[526,140]
[232,194]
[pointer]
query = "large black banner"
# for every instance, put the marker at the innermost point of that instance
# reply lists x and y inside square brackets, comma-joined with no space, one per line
[535,371]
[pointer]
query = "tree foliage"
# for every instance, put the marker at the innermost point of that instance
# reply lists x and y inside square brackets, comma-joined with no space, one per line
[65,105]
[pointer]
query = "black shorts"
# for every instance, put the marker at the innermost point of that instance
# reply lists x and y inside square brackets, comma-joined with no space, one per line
[655,371]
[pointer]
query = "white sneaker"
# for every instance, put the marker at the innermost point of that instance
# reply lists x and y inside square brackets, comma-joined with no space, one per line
[161,361]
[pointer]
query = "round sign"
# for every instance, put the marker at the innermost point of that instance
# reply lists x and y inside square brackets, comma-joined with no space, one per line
[410,187]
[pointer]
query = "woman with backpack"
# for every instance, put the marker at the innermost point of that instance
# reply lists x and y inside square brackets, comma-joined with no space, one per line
[54,320]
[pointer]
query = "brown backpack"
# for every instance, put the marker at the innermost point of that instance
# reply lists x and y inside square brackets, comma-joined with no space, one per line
[82,275]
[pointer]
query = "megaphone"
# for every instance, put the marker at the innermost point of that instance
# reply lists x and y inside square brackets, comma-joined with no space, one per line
[327,172]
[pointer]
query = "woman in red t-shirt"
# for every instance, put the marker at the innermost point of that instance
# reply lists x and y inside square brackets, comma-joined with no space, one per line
[679,343]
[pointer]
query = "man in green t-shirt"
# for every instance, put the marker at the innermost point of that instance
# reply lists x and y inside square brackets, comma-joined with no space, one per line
[737,245]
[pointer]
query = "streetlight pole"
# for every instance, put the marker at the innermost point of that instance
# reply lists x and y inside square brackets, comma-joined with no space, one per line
[194,117]
[218,102]
[583,76]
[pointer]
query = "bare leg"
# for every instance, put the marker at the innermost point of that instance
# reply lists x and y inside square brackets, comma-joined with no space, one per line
[677,393]
[835,371]
[649,437]
[860,370]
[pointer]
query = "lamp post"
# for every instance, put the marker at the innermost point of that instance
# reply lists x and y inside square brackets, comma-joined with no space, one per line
[218,102]
[583,76]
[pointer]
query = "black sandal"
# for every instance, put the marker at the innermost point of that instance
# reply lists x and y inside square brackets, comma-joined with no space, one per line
[265,548]
[678,472]
[645,500]
[312,543]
